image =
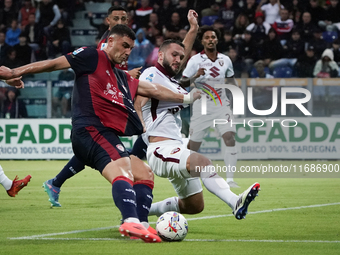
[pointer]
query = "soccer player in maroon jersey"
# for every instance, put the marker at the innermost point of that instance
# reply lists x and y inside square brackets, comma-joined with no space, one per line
[103,110]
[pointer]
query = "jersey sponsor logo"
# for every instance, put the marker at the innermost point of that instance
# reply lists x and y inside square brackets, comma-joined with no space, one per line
[150,77]
[120,147]
[77,51]
[175,151]
[110,90]
[214,71]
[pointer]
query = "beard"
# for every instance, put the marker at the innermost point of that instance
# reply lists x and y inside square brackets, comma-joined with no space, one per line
[168,68]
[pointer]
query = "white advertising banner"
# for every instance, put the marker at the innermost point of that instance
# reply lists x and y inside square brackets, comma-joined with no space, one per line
[293,138]
[39,139]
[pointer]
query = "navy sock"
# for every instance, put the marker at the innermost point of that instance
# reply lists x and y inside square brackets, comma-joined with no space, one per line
[144,198]
[72,167]
[139,148]
[124,197]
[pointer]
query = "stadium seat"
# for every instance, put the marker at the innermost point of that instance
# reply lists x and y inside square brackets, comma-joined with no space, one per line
[253,73]
[329,36]
[282,72]
[208,20]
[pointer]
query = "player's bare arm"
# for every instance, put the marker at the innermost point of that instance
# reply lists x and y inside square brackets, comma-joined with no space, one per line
[190,36]
[140,101]
[187,81]
[154,90]
[36,67]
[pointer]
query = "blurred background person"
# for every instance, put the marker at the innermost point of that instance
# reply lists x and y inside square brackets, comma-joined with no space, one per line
[13,107]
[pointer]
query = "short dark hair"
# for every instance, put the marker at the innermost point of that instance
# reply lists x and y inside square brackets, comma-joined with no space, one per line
[123,30]
[204,29]
[166,43]
[116,8]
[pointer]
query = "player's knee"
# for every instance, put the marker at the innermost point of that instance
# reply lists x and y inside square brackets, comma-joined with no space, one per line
[147,173]
[229,138]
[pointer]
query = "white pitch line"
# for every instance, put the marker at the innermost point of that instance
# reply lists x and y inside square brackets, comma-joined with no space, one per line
[194,240]
[189,219]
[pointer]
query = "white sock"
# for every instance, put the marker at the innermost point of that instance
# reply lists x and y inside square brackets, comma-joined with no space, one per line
[145,224]
[230,160]
[132,219]
[7,183]
[218,186]
[169,204]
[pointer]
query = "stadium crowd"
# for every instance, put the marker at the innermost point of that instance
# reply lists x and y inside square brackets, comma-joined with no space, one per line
[296,38]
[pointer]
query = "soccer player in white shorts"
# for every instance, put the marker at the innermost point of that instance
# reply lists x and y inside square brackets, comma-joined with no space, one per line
[168,156]
[208,69]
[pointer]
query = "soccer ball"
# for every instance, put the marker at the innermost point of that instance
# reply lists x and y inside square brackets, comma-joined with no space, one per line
[172,226]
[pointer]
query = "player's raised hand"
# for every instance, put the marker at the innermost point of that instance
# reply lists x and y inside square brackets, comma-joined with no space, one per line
[200,71]
[193,18]
[5,73]
[135,73]
[16,82]
[195,94]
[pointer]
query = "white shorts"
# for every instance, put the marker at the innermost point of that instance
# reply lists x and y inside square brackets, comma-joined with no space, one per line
[168,159]
[200,124]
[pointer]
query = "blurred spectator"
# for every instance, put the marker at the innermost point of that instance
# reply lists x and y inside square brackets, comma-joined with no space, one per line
[326,66]
[249,10]
[12,34]
[67,10]
[24,13]
[228,14]
[102,27]
[60,40]
[259,29]
[142,14]
[336,50]
[4,47]
[240,26]
[291,52]
[211,11]
[319,44]
[271,10]
[306,27]
[23,50]
[316,11]
[332,19]
[238,65]
[260,70]
[271,49]
[11,60]
[47,15]
[283,26]
[34,34]
[172,29]
[304,66]
[143,48]
[61,102]
[7,14]
[154,27]
[164,12]
[247,50]
[182,9]
[226,43]
[153,57]
[295,11]
[13,107]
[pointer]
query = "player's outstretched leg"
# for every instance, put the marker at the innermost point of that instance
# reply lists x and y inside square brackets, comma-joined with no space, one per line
[17,185]
[52,192]
[241,207]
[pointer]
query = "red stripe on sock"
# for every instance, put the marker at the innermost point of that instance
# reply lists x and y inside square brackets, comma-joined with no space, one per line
[148,183]
[122,178]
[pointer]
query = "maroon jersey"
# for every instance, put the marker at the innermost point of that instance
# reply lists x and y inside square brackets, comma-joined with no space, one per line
[102,95]
[102,44]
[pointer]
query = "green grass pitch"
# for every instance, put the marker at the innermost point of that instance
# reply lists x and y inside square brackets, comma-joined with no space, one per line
[290,216]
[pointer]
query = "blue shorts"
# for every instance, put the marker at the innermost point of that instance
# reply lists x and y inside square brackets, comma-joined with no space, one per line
[97,146]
